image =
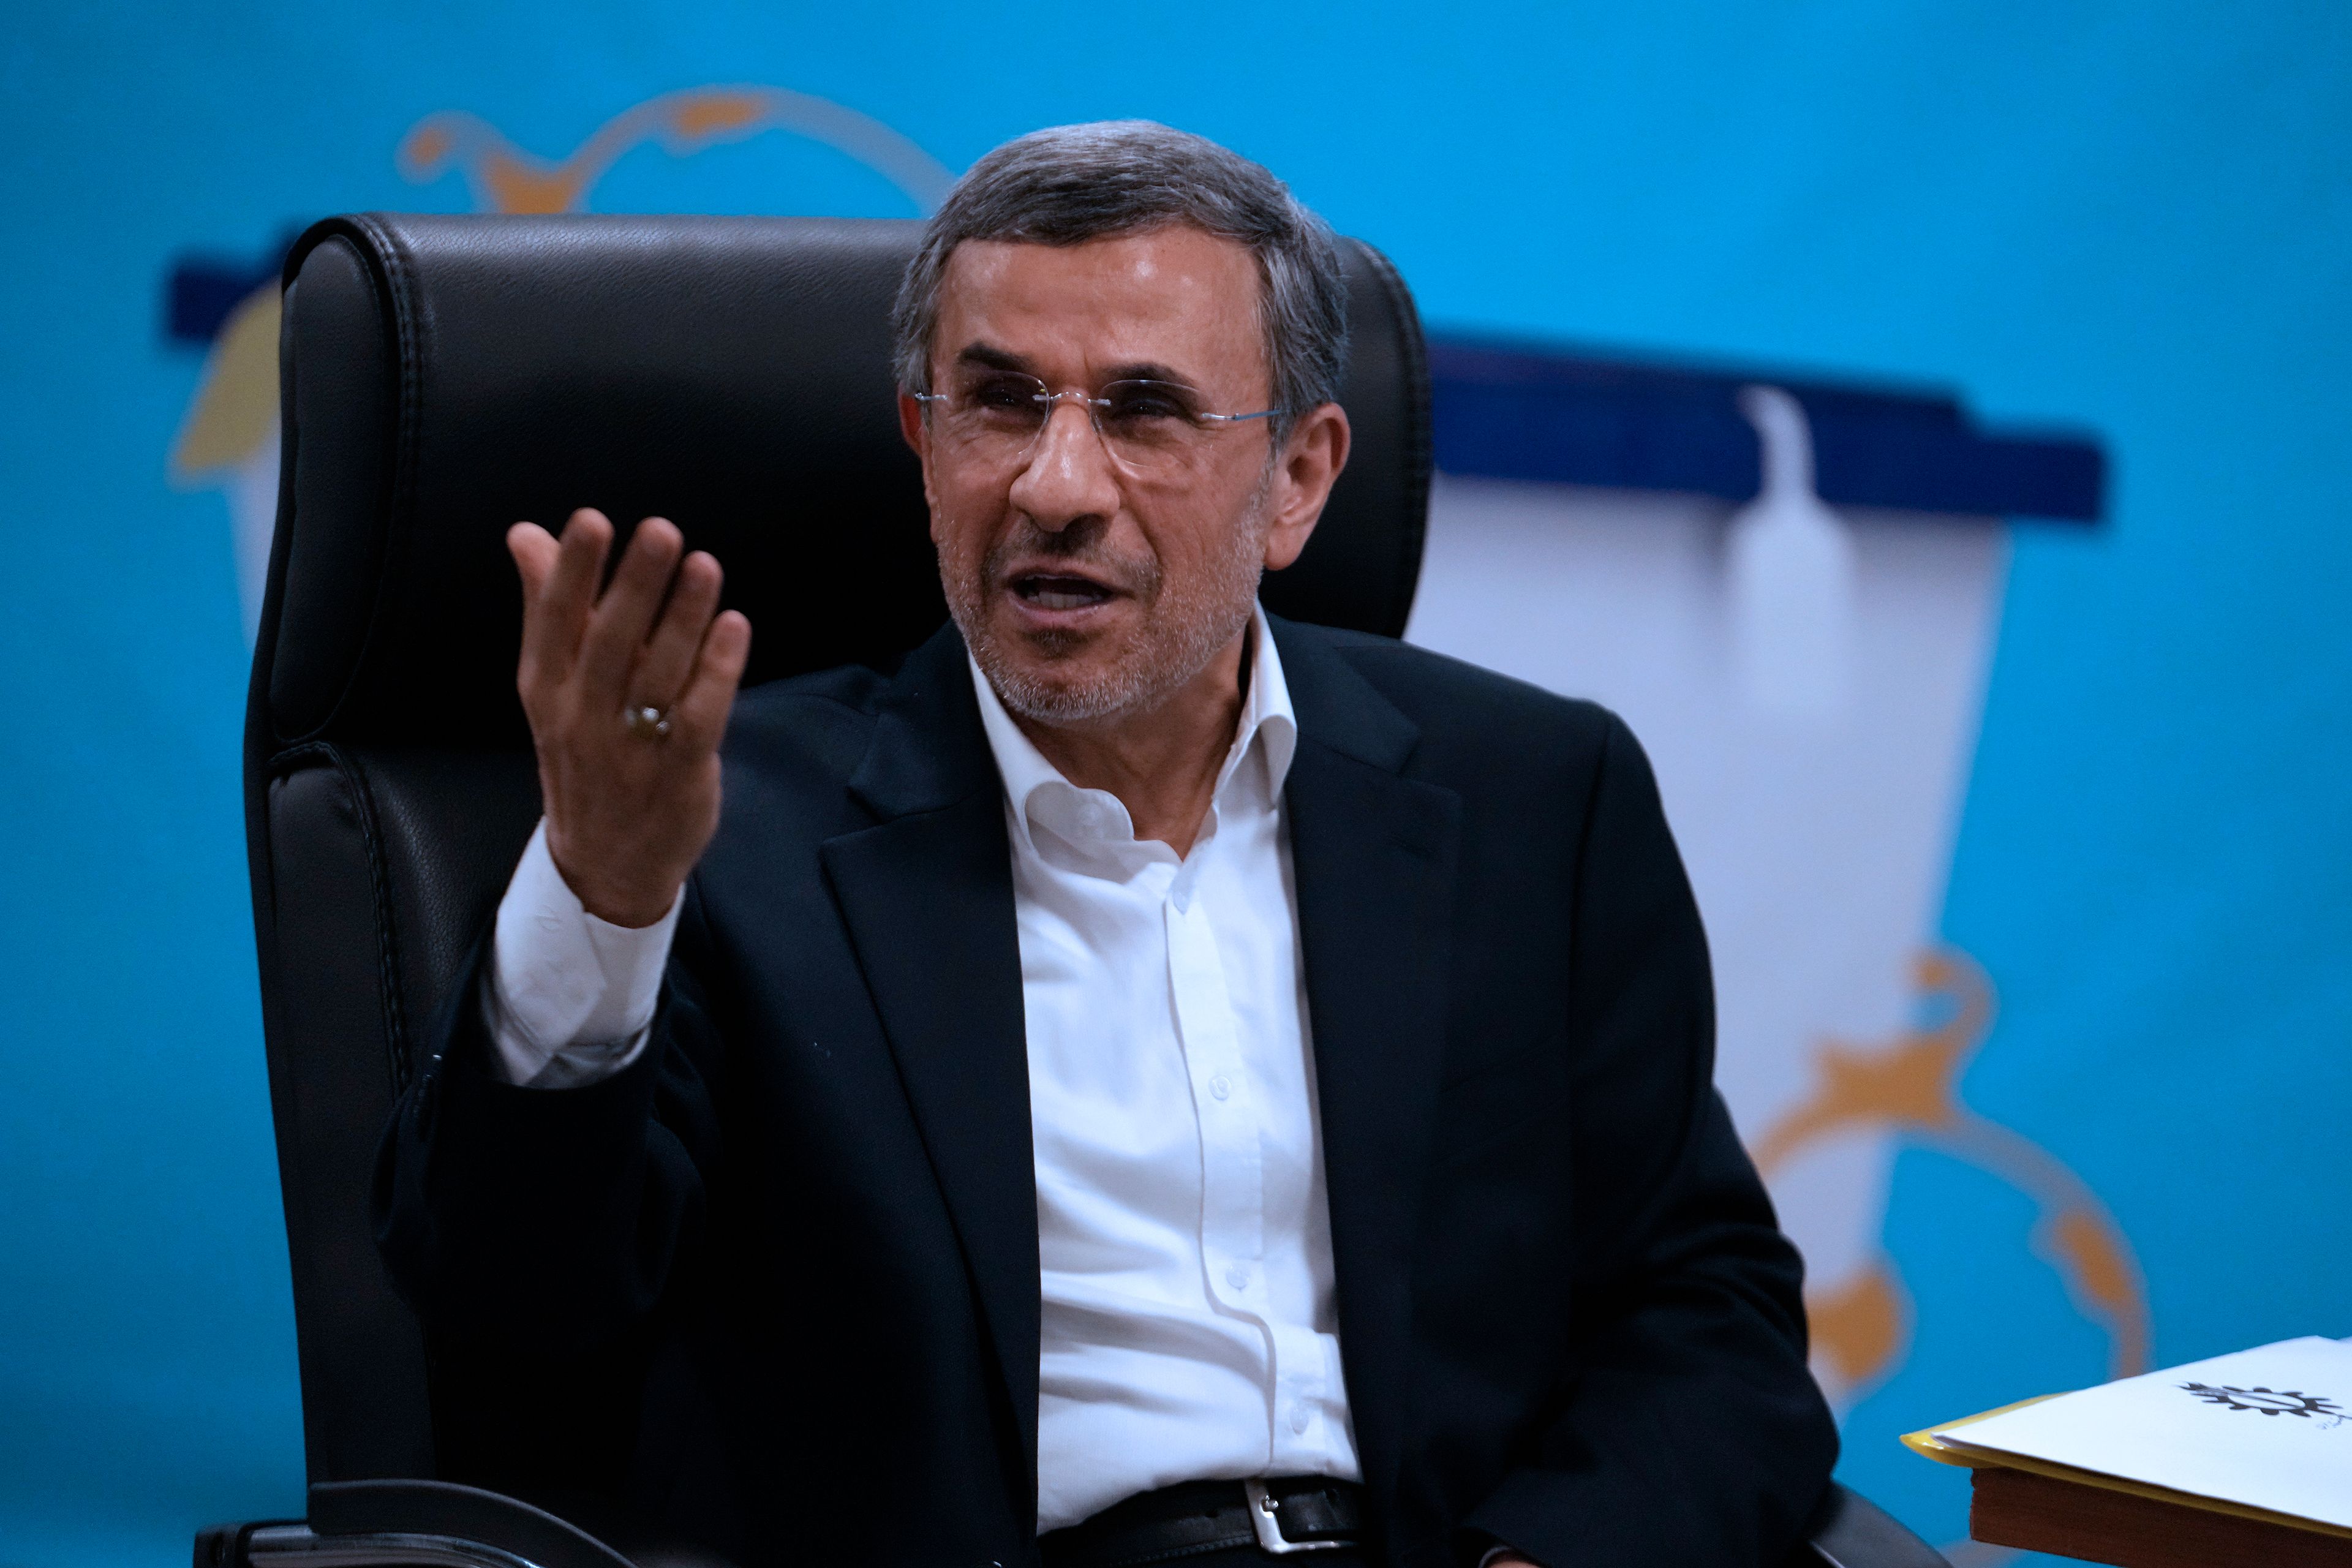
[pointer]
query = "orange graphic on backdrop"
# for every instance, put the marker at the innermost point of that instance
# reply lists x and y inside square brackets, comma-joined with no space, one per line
[230,430]
[235,414]
[1913,1088]
[506,179]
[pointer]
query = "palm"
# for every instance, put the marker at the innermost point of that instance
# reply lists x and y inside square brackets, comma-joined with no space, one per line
[628,811]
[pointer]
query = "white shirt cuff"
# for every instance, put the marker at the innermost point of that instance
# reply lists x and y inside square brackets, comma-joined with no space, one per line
[569,998]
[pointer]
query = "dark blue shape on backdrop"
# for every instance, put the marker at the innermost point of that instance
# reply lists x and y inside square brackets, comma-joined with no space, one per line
[1519,413]
[202,291]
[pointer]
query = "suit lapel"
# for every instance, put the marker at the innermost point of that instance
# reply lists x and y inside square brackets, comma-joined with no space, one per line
[1375,857]
[927,897]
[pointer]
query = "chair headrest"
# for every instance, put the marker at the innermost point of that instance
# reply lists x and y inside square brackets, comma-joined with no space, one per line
[445,376]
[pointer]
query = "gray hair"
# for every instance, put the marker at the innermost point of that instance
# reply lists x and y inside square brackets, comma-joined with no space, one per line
[1072,184]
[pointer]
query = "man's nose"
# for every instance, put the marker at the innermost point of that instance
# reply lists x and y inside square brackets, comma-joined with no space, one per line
[1069,474]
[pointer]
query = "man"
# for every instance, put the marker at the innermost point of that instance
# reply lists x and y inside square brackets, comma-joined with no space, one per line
[1146,1082]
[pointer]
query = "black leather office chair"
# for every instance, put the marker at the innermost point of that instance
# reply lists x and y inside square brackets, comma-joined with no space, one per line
[443,376]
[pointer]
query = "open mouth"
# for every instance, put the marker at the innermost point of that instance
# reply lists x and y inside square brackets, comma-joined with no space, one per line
[1051,590]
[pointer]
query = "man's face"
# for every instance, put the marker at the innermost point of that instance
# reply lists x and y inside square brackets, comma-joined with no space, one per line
[1089,580]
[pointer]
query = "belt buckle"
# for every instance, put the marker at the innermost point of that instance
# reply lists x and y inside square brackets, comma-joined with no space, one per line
[1264,1520]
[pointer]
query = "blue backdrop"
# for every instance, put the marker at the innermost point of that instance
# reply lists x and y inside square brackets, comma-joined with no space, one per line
[2133,216]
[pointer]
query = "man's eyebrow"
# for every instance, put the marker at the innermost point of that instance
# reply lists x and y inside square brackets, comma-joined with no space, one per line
[990,357]
[1147,370]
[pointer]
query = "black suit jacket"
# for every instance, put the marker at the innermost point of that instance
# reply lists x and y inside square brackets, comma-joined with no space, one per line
[1567,1317]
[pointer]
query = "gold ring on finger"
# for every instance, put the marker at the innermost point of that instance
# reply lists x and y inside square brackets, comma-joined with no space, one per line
[645,723]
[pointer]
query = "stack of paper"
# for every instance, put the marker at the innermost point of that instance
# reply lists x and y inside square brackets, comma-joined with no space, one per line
[2266,1432]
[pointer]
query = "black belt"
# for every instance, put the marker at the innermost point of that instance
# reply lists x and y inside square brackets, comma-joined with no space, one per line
[1290,1513]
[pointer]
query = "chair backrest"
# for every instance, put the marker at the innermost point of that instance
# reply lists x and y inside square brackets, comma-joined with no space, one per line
[444,376]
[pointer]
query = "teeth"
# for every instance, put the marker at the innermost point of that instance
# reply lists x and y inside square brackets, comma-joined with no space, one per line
[1059,594]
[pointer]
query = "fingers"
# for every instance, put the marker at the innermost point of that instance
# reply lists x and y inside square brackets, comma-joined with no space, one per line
[592,655]
[559,583]
[698,717]
[667,660]
[618,626]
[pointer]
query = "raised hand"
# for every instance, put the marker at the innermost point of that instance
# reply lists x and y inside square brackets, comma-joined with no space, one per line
[627,698]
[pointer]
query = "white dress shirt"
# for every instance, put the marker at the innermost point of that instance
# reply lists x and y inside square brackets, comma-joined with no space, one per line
[1188,1329]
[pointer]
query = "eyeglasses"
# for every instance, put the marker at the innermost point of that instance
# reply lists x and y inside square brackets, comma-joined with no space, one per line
[1149,427]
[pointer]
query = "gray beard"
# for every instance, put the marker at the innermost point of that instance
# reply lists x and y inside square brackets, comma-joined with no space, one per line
[1185,632]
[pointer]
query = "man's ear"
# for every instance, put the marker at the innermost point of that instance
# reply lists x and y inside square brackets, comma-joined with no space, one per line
[1310,461]
[917,434]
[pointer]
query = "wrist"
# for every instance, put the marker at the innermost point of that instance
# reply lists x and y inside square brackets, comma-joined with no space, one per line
[631,911]
[626,904]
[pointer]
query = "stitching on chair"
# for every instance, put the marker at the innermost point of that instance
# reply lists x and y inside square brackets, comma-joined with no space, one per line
[387,943]
[401,273]
[395,289]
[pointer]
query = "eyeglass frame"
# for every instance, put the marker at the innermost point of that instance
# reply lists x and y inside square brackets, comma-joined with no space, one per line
[1095,406]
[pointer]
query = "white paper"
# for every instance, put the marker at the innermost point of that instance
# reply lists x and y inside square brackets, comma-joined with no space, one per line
[2269,1427]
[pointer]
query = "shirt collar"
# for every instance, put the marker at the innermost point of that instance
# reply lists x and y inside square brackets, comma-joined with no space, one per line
[1266,718]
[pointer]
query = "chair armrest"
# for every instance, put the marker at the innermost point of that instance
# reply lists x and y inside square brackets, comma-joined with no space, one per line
[1849,1530]
[427,1524]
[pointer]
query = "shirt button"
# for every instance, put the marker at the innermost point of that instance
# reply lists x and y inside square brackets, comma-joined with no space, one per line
[1238,1277]
[1221,1086]
[1298,1418]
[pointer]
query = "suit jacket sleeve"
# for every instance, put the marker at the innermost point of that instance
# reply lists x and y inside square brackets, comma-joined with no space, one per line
[1685,1428]
[558,1219]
